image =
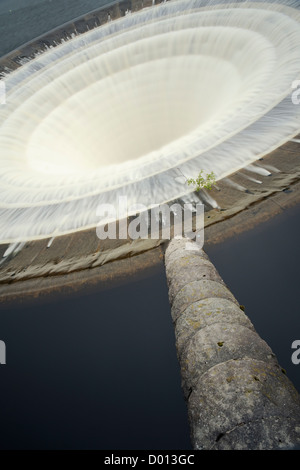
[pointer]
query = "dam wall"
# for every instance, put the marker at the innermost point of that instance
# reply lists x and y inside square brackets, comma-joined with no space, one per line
[238,396]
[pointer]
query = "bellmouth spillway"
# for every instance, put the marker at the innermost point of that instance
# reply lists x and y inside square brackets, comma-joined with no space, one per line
[121,109]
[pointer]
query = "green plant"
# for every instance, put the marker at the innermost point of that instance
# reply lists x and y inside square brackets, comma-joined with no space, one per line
[202,182]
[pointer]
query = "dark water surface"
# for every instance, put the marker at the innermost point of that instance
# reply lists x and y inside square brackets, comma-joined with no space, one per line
[23,20]
[261,267]
[97,371]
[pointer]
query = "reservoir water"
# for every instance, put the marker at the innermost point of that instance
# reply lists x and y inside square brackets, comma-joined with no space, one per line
[96,371]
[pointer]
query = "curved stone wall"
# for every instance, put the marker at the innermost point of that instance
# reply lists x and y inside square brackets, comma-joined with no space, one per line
[237,394]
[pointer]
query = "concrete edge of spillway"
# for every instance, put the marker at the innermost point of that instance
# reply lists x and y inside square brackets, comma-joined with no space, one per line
[238,396]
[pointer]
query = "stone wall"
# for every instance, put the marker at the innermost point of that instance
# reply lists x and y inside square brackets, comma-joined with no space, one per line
[237,394]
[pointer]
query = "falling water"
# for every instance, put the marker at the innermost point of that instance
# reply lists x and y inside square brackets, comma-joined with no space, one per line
[235,185]
[12,250]
[271,168]
[49,244]
[250,178]
[186,84]
[258,169]
[209,200]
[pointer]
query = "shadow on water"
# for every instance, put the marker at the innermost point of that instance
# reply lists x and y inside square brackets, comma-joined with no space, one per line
[98,371]
[261,267]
